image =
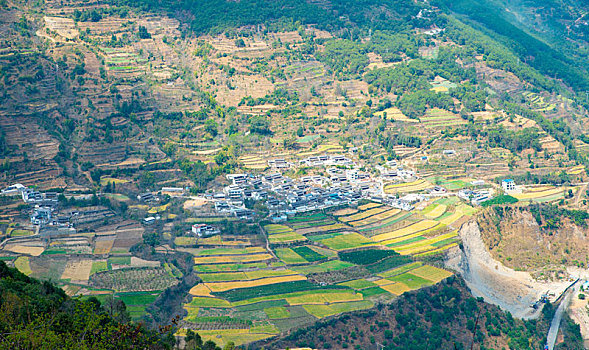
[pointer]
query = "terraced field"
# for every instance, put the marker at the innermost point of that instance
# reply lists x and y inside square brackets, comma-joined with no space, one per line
[439,118]
[253,162]
[407,187]
[542,194]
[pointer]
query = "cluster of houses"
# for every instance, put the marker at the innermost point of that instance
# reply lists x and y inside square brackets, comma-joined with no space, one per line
[343,185]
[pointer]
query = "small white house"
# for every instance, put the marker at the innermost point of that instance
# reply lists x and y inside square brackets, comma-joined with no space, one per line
[204,230]
[508,185]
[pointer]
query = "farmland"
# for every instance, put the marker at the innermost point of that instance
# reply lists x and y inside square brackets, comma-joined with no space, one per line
[275,290]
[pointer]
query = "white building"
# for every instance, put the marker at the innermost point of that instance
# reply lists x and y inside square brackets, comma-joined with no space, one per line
[508,185]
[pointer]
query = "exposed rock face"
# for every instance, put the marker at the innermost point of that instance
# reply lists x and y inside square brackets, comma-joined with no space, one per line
[515,238]
[511,290]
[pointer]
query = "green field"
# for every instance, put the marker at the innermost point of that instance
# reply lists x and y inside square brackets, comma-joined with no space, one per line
[332,265]
[277,312]
[321,311]
[289,256]
[308,254]
[349,240]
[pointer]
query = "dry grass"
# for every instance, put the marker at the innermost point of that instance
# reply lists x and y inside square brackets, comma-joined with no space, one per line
[77,270]
[23,249]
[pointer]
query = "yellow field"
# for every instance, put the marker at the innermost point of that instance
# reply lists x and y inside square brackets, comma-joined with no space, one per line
[103,247]
[345,211]
[275,228]
[218,240]
[407,187]
[237,336]
[431,273]
[365,214]
[395,114]
[439,250]
[22,264]
[224,286]
[77,270]
[200,290]
[436,212]
[253,162]
[369,206]
[106,180]
[329,148]
[159,209]
[231,258]
[376,218]
[424,245]
[23,249]
[396,288]
[576,170]
[413,228]
[538,193]
[451,219]
[227,251]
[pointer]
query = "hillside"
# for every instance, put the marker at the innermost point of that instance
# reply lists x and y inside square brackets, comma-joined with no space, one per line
[441,317]
[38,315]
[245,169]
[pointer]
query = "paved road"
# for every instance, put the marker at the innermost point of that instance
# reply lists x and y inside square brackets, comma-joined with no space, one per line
[556,320]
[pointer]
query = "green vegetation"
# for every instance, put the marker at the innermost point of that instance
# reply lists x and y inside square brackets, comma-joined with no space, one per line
[308,254]
[366,257]
[28,306]
[502,199]
[272,289]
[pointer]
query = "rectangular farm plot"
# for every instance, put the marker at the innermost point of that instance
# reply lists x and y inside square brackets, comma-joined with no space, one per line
[228,267]
[434,211]
[103,245]
[407,187]
[231,258]
[287,237]
[289,256]
[231,251]
[396,288]
[369,206]
[348,240]
[208,302]
[272,229]
[539,193]
[323,298]
[375,218]
[332,265]
[77,270]
[358,284]
[431,273]
[439,118]
[225,286]
[424,245]
[407,230]
[364,214]
[309,254]
[277,312]
[321,311]
[410,280]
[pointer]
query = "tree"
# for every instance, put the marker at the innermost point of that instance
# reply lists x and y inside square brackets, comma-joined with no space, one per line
[143,33]
[260,125]
[211,127]
[240,43]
